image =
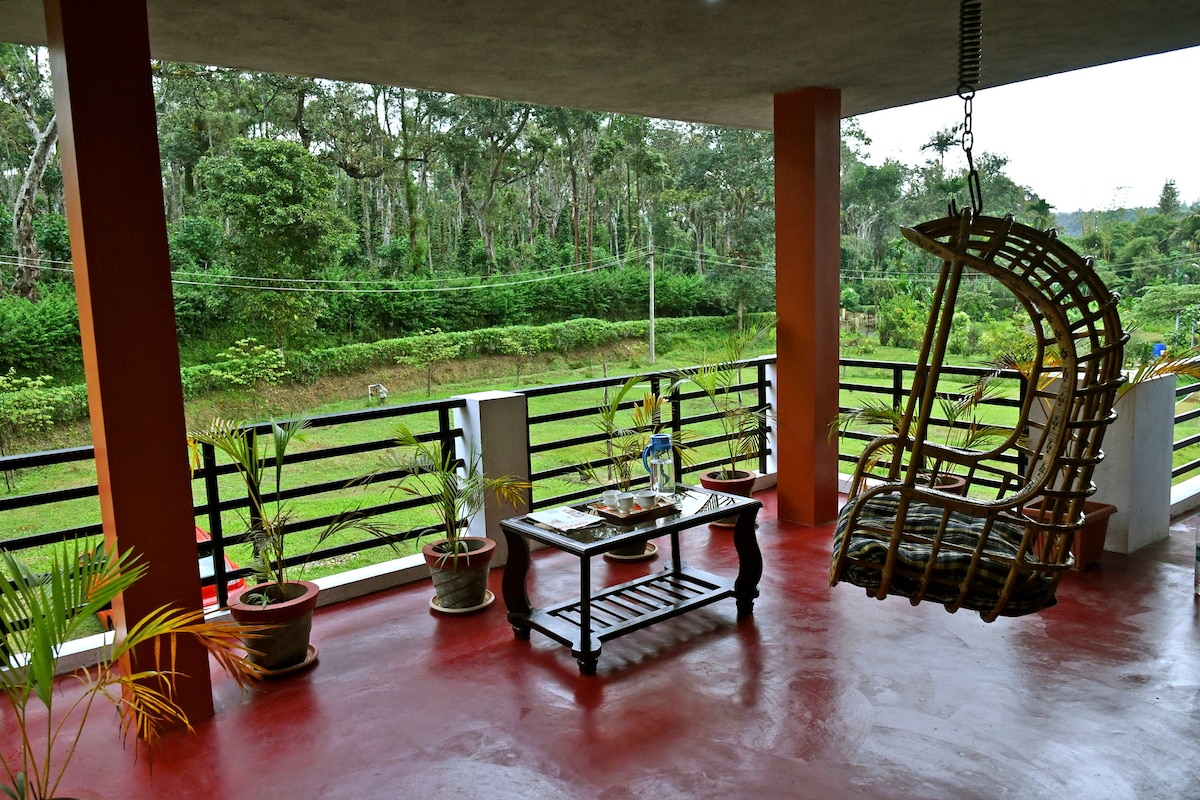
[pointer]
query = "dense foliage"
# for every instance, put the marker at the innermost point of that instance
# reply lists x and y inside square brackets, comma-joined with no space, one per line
[310,213]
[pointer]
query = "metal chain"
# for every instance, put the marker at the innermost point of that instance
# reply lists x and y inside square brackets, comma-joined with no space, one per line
[970,40]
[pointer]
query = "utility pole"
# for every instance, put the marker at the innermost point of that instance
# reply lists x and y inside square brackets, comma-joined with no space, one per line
[650,232]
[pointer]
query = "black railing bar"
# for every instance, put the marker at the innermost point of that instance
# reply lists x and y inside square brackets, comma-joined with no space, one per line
[1184,469]
[208,457]
[369,414]
[1187,389]
[52,537]
[703,466]
[344,450]
[46,498]
[1187,416]
[341,450]
[872,389]
[901,366]
[366,513]
[619,380]
[563,444]
[45,458]
[576,413]
[555,472]
[372,543]
[590,384]
[239,503]
[562,499]
[600,436]
[1187,441]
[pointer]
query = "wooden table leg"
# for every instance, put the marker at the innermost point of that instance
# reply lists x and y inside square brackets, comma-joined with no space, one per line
[750,564]
[516,595]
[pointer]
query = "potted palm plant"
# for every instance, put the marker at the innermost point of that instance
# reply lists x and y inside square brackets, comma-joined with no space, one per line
[742,425]
[458,564]
[283,603]
[41,612]
[960,424]
[624,441]
[1088,544]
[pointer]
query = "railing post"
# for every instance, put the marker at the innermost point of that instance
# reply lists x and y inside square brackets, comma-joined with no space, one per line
[212,504]
[767,383]
[252,489]
[496,423]
[676,429]
[446,440]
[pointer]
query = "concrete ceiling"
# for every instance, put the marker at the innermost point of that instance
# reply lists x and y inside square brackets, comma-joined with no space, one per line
[712,61]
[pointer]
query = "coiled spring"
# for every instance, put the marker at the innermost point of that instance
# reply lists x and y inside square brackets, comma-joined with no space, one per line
[970,45]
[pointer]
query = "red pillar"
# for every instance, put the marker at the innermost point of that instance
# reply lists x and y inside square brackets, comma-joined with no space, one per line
[108,139]
[807,204]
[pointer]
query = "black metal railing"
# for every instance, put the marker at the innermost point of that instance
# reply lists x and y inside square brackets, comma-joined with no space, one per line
[891,380]
[1185,441]
[557,461]
[562,436]
[217,501]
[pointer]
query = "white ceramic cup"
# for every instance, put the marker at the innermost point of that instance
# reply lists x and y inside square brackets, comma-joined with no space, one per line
[625,502]
[645,499]
[609,498]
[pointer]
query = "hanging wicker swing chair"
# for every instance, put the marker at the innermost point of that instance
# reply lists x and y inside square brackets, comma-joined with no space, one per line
[897,535]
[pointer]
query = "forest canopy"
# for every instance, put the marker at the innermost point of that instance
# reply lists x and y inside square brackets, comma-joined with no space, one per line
[310,212]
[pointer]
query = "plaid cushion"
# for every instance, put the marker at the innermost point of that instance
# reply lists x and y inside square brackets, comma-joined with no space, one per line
[868,552]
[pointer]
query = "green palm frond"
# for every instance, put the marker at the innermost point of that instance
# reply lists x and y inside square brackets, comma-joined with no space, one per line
[1185,363]
[458,492]
[43,611]
[742,425]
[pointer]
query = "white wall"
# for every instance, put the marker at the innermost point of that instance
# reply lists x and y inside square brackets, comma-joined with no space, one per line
[1135,475]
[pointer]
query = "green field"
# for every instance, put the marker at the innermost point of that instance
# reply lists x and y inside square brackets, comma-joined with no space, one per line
[488,374]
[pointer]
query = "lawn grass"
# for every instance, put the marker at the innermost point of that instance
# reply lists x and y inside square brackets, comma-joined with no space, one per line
[459,378]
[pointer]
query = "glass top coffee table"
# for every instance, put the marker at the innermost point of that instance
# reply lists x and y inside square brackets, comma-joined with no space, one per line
[584,623]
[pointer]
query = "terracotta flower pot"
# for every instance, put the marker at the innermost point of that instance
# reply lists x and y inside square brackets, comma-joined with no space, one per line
[460,581]
[951,484]
[742,484]
[1088,545]
[286,646]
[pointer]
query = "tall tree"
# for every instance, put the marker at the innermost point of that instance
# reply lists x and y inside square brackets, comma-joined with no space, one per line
[278,201]
[25,84]
[742,171]
[1168,200]
[578,130]
[481,149]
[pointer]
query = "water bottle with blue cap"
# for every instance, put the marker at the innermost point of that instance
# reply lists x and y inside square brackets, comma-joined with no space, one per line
[659,460]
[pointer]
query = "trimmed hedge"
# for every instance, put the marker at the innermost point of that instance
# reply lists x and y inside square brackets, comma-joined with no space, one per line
[307,366]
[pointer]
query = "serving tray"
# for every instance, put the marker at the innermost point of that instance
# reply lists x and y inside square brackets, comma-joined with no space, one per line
[663,508]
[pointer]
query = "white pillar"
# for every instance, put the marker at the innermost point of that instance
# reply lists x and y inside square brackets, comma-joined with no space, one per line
[497,424]
[1135,475]
[771,476]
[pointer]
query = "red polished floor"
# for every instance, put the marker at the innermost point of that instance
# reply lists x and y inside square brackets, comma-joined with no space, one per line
[824,693]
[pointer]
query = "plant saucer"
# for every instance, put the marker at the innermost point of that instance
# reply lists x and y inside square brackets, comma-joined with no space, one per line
[650,552]
[488,599]
[309,659]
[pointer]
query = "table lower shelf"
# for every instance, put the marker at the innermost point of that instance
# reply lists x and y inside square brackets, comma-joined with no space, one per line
[622,609]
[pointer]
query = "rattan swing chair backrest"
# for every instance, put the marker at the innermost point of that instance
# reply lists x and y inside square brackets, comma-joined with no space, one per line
[897,535]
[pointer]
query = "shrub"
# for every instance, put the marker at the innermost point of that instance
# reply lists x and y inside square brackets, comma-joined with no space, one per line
[41,337]
[249,363]
[901,321]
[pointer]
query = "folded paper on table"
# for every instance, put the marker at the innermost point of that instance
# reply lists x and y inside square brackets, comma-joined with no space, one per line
[564,518]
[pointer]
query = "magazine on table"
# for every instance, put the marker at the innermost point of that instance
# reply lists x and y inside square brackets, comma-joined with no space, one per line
[564,518]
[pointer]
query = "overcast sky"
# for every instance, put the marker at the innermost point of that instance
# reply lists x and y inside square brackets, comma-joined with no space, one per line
[1098,138]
